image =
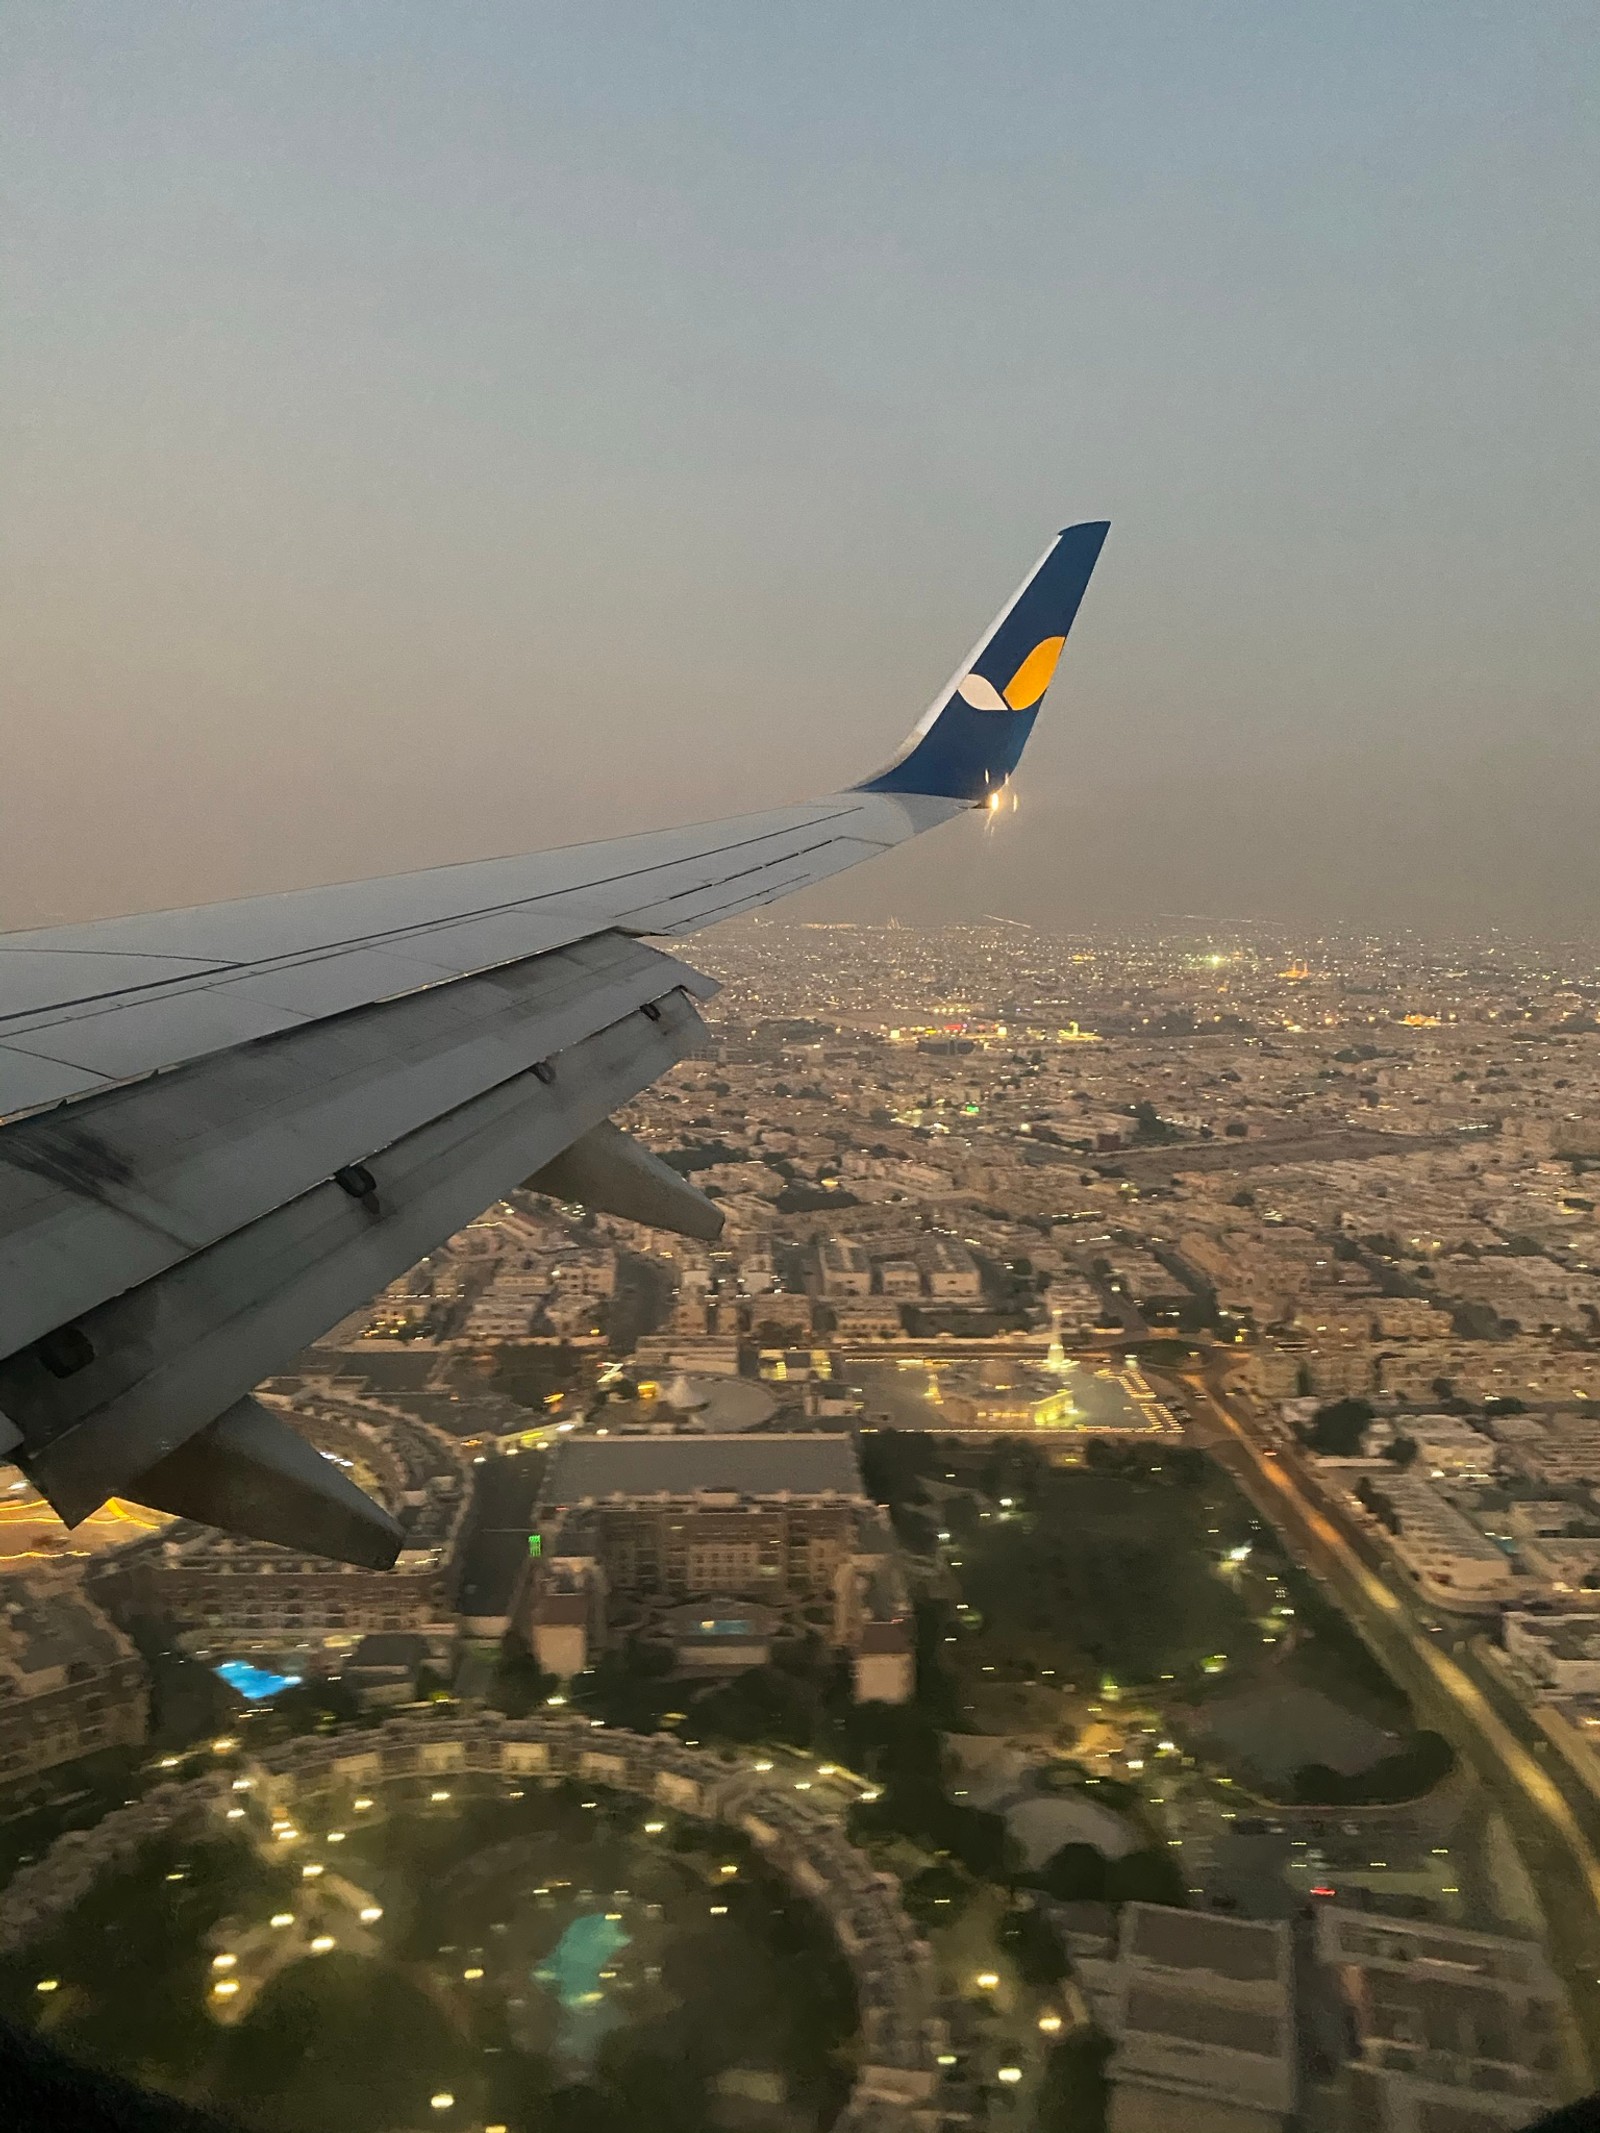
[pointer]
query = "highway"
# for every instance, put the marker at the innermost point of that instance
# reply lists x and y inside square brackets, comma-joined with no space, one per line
[1553,1824]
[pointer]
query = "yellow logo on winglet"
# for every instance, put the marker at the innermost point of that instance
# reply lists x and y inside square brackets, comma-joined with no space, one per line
[1034,675]
[1026,687]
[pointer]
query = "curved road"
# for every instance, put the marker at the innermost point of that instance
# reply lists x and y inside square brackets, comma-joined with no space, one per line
[1553,1838]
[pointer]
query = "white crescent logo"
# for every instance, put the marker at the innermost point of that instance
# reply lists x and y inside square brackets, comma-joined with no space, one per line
[981,694]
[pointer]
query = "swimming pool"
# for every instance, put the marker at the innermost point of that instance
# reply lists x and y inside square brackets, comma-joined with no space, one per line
[254,1683]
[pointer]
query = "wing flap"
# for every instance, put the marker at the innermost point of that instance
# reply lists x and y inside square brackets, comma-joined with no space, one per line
[109,1193]
[176,1351]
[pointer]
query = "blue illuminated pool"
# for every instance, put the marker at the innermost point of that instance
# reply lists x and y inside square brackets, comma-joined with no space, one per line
[254,1683]
[573,1970]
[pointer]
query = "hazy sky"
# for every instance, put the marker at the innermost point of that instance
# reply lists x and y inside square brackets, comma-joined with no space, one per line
[433,430]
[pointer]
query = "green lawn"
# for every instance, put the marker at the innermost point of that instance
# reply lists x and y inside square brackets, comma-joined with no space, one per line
[1112,1575]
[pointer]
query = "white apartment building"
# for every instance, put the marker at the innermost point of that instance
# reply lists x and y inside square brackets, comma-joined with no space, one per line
[1204,2029]
[950,1271]
[843,1267]
[1449,1445]
[1409,1318]
[587,1274]
[900,1278]
[1561,1652]
[70,1682]
[1568,1564]
[507,1308]
[1447,2029]
[1455,1563]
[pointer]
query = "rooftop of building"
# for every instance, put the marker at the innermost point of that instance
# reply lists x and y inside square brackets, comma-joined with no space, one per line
[1416,1947]
[1244,1951]
[1161,2009]
[48,1627]
[587,1469]
[1400,2103]
[1563,1636]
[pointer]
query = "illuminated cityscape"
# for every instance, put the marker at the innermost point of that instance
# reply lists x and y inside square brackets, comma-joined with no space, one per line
[1127,1478]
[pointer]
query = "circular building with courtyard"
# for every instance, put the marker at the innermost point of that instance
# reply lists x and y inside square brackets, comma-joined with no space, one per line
[443,1920]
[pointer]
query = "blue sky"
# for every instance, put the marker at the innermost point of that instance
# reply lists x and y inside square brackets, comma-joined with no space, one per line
[437,430]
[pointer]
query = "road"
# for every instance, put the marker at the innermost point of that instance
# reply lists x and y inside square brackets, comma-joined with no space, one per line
[495,1550]
[30,1531]
[1553,1833]
[1329,1144]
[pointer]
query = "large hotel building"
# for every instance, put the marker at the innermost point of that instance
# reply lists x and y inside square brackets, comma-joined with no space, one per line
[718,1547]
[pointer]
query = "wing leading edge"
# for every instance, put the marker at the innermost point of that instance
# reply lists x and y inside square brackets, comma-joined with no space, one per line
[221,1129]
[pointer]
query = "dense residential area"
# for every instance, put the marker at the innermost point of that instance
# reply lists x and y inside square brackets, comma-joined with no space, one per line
[1127,1475]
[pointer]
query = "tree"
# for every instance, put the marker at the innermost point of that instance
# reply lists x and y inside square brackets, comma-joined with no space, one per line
[520,1684]
[1031,1941]
[1075,1874]
[1338,1430]
[1401,1451]
[1149,1876]
[1073,2093]
[1423,1762]
[763,1704]
[896,1462]
[1150,1127]
[938,1895]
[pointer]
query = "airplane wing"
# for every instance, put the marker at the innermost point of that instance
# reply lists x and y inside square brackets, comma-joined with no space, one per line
[223,1129]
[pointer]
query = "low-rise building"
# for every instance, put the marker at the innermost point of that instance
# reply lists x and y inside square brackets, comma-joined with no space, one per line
[1446,1445]
[591,1275]
[1203,2026]
[1569,1564]
[70,1682]
[772,1534]
[1445,2028]
[508,1307]
[949,1271]
[868,1318]
[843,1268]
[1560,1652]
[1455,1563]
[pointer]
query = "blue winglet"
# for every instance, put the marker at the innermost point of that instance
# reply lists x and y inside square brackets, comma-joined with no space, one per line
[972,738]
